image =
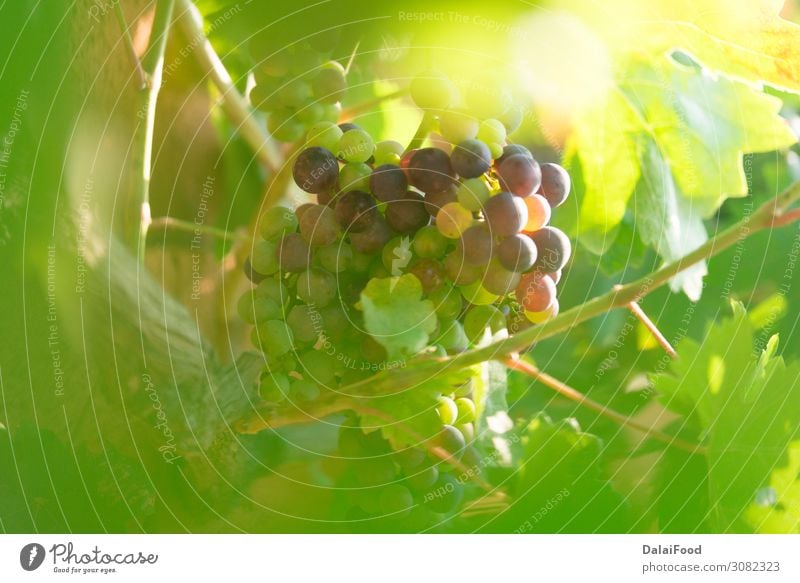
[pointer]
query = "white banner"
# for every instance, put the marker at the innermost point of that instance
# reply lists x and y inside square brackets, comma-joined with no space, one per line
[390,558]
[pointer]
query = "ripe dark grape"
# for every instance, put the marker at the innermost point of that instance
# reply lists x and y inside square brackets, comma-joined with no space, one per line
[429,169]
[316,286]
[430,273]
[373,238]
[554,249]
[330,84]
[498,280]
[318,226]
[408,214]
[355,211]
[294,254]
[471,158]
[477,244]
[555,184]
[517,253]
[505,214]
[316,170]
[513,150]
[346,126]
[434,201]
[535,292]
[388,182]
[520,175]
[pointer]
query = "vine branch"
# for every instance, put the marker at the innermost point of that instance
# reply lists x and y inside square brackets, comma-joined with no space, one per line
[640,314]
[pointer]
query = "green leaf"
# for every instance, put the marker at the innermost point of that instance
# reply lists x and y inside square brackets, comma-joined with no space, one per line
[776,509]
[396,315]
[745,404]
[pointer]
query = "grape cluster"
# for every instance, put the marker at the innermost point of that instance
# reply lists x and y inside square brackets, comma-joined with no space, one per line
[298,87]
[471,224]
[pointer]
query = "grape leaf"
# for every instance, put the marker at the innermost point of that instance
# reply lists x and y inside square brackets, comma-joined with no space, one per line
[745,404]
[776,509]
[396,315]
[672,138]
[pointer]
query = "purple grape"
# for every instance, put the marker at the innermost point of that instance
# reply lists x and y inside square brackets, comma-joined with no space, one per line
[408,214]
[471,158]
[520,175]
[316,170]
[505,214]
[429,169]
[388,182]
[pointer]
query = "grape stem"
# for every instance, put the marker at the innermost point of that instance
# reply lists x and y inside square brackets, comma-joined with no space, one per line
[349,113]
[575,395]
[234,104]
[425,126]
[151,65]
[640,314]
[126,38]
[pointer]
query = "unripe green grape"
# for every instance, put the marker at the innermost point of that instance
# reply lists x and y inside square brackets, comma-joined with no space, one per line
[479,318]
[396,255]
[273,337]
[476,294]
[264,97]
[395,500]
[388,152]
[273,289]
[317,287]
[459,270]
[277,221]
[492,131]
[447,410]
[499,280]
[303,390]
[355,146]
[331,112]
[284,126]
[452,220]
[273,386]
[376,471]
[330,84]
[303,321]
[430,243]
[335,258]
[455,126]
[294,94]
[473,193]
[265,257]
[310,113]
[466,410]
[318,366]
[446,302]
[423,478]
[252,308]
[468,431]
[354,176]
[495,149]
[433,90]
[451,440]
[452,336]
[451,493]
[318,226]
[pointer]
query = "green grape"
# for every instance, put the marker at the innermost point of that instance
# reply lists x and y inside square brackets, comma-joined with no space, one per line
[253,308]
[277,221]
[304,323]
[277,64]
[273,386]
[479,318]
[433,90]
[452,337]
[318,366]
[423,478]
[452,220]
[447,410]
[448,493]
[324,134]
[499,280]
[459,270]
[489,99]
[429,243]
[265,257]
[376,471]
[468,431]
[294,94]
[264,97]
[388,152]
[409,458]
[354,176]
[316,286]
[492,131]
[457,126]
[466,410]
[310,113]
[273,337]
[451,440]
[273,289]
[395,500]
[473,193]
[361,262]
[495,149]
[447,302]
[335,321]
[318,226]
[355,146]
[330,84]
[430,274]
[302,390]
[476,294]
[284,126]
[335,258]
[331,112]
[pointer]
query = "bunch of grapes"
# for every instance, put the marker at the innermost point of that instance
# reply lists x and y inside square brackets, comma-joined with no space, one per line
[298,86]
[471,224]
